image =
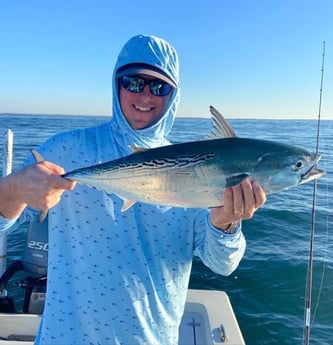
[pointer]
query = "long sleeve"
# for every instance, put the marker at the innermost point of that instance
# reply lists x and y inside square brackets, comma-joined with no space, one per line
[219,251]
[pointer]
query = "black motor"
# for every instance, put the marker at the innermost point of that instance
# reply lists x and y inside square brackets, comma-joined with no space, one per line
[35,252]
[34,261]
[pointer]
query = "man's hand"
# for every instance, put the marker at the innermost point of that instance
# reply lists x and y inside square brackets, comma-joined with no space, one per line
[38,185]
[240,202]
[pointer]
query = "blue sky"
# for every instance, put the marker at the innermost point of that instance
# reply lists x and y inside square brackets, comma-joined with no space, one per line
[248,58]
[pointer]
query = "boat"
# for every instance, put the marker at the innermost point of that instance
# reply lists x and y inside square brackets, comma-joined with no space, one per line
[208,319]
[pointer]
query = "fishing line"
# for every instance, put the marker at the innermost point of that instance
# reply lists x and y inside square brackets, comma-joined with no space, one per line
[309,278]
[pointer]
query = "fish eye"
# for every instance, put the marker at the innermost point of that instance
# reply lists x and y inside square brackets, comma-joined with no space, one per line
[299,164]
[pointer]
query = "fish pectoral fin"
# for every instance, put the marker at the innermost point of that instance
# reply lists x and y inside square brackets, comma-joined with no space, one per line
[127,204]
[235,180]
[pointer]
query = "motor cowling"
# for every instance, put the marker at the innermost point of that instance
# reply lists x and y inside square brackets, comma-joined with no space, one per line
[35,251]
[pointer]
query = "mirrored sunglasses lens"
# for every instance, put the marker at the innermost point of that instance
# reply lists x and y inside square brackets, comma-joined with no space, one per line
[133,84]
[160,88]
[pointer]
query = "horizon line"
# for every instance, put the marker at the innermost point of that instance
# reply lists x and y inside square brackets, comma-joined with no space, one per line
[241,117]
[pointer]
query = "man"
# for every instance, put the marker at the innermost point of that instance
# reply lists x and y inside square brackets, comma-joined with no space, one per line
[121,277]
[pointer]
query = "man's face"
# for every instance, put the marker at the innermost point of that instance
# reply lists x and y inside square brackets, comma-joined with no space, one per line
[142,109]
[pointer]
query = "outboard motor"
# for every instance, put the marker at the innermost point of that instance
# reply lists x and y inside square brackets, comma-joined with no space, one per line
[35,252]
[34,261]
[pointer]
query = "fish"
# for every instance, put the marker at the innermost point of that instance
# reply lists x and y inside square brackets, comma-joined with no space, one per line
[195,174]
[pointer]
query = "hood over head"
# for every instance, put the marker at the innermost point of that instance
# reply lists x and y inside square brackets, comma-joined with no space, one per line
[154,56]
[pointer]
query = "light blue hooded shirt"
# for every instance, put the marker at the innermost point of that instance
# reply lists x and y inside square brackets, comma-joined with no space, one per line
[121,277]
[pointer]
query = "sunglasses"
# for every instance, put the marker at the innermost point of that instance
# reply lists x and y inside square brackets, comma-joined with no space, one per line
[137,84]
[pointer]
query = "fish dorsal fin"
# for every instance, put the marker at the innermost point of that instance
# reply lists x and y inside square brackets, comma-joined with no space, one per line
[221,127]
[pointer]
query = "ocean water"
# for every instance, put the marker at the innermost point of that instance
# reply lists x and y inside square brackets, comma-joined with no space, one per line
[267,290]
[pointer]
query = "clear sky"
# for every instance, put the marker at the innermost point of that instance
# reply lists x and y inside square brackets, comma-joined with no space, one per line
[248,58]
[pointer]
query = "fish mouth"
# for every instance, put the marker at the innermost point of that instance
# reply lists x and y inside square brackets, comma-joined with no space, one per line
[313,173]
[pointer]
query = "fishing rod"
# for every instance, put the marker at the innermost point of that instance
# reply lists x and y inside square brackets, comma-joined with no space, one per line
[309,278]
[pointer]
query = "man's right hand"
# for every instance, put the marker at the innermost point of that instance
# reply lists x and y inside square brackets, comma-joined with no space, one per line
[38,185]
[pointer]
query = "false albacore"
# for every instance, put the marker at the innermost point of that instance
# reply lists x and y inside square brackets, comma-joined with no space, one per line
[195,174]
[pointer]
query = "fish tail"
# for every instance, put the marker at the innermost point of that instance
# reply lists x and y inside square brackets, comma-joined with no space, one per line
[42,215]
[39,158]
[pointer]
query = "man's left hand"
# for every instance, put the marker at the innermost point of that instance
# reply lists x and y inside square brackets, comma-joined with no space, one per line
[239,202]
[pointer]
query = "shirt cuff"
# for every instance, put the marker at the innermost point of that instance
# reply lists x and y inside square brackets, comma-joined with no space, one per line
[237,230]
[6,223]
